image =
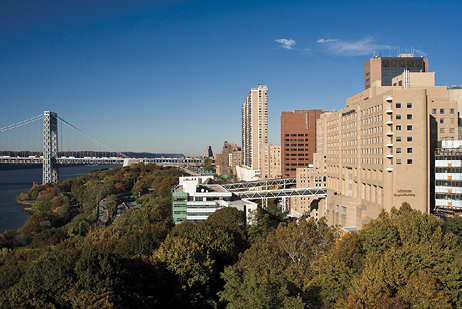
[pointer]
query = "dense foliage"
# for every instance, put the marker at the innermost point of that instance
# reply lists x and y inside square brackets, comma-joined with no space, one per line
[403,259]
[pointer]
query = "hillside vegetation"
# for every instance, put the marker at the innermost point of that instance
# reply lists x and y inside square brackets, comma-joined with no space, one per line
[403,259]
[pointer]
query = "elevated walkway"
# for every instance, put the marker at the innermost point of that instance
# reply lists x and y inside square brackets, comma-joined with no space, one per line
[260,183]
[261,194]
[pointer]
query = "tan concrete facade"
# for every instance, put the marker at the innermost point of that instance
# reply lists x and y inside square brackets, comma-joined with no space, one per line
[310,177]
[379,71]
[379,149]
[270,165]
[254,126]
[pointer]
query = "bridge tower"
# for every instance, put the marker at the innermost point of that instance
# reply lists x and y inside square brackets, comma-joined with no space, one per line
[50,147]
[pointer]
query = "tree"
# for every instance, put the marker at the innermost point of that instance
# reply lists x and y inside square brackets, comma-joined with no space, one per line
[291,252]
[98,269]
[253,291]
[261,224]
[228,215]
[454,226]
[402,259]
[190,264]
[51,275]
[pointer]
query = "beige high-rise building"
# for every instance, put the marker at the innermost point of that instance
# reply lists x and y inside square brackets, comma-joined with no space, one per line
[310,177]
[455,94]
[254,126]
[379,149]
[270,165]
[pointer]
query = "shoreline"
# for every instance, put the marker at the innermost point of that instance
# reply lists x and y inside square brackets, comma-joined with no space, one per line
[27,206]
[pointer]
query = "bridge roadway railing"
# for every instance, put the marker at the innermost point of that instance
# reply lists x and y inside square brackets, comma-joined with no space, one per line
[62,160]
[259,183]
[259,194]
[102,160]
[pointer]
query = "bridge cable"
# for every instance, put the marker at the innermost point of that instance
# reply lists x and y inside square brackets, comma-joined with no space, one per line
[93,139]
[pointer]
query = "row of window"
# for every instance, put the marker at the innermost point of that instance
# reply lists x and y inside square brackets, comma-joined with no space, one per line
[398,161]
[408,127]
[449,183]
[442,111]
[457,170]
[448,196]
[398,116]
[408,105]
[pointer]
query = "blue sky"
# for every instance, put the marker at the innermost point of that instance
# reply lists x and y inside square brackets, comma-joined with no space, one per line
[171,76]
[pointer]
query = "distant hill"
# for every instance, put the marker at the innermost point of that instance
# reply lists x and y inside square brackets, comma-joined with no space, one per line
[154,155]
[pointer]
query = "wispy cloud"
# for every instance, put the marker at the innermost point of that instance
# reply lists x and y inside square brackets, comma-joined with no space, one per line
[287,44]
[420,52]
[353,48]
[326,41]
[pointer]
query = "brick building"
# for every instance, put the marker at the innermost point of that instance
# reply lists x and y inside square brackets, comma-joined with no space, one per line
[298,139]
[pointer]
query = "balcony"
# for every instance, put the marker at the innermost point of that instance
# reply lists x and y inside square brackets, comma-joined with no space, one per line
[389,99]
[389,155]
[389,145]
[389,111]
[390,168]
[389,133]
[389,122]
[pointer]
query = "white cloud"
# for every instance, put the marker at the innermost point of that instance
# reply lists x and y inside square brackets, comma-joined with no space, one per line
[326,41]
[420,52]
[354,48]
[287,44]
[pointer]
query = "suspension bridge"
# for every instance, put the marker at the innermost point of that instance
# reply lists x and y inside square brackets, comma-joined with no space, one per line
[36,141]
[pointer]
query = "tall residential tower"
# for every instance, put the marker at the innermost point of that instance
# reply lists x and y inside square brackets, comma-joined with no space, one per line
[254,126]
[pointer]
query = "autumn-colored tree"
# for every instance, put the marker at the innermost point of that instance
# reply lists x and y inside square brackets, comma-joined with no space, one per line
[291,252]
[191,264]
[253,291]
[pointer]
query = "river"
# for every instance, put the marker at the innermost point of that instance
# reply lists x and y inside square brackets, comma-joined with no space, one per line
[13,182]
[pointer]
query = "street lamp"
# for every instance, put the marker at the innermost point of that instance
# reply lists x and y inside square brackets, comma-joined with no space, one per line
[80,225]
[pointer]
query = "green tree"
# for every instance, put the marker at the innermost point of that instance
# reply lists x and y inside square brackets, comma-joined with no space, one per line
[291,252]
[98,269]
[229,215]
[253,291]
[190,264]
[51,275]
[454,226]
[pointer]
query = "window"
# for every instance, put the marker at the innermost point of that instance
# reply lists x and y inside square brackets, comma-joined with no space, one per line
[398,161]
[441,110]
[442,130]
[451,120]
[442,120]
[409,150]
[409,105]
[398,105]
[451,130]
[409,127]
[398,150]
[398,116]
[451,111]
[398,128]
[398,138]
[433,111]
[409,138]
[409,161]
[409,116]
